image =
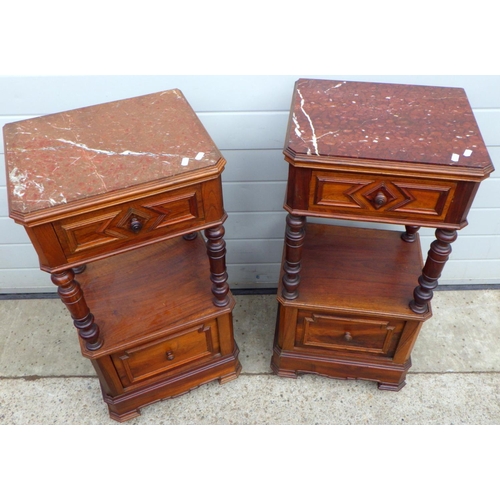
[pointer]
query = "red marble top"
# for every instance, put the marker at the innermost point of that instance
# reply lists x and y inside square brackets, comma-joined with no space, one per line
[378,121]
[63,157]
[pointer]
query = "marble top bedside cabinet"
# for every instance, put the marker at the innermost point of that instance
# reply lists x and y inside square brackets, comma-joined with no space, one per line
[352,300]
[116,194]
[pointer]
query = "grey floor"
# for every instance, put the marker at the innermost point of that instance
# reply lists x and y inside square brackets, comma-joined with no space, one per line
[455,377]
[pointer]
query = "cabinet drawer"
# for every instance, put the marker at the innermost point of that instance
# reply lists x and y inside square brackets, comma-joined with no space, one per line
[164,355]
[346,333]
[130,223]
[375,197]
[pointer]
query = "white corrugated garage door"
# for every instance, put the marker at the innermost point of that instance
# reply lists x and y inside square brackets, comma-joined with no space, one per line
[247,117]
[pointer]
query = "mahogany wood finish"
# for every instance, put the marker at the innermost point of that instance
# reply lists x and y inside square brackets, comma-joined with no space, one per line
[409,234]
[294,239]
[71,294]
[145,179]
[352,318]
[190,236]
[216,249]
[352,301]
[438,255]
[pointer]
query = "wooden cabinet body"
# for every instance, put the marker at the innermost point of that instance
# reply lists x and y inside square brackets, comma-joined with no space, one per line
[352,300]
[113,197]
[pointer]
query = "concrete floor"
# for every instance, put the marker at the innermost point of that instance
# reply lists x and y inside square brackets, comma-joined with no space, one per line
[455,377]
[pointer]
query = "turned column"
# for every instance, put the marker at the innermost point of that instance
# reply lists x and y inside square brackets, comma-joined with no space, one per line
[216,250]
[72,296]
[191,236]
[294,241]
[436,259]
[410,235]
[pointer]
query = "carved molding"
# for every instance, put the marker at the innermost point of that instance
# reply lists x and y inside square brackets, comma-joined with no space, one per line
[165,353]
[388,196]
[128,221]
[338,332]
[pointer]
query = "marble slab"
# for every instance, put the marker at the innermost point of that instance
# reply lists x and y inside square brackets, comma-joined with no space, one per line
[63,157]
[390,122]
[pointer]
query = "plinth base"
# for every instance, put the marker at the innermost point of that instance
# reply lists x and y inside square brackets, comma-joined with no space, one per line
[389,376]
[127,406]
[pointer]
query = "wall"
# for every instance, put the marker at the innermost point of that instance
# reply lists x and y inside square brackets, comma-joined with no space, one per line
[247,117]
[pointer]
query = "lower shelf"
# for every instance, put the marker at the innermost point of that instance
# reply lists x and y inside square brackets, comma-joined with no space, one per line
[351,319]
[146,293]
[358,270]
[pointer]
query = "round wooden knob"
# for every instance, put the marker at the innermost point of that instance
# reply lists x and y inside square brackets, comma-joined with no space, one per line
[380,199]
[348,336]
[135,225]
[170,355]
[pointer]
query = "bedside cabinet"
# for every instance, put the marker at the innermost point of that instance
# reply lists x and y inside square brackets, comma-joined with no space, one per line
[113,197]
[352,300]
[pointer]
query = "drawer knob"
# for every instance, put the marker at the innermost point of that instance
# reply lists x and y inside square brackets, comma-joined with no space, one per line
[348,336]
[135,225]
[170,355]
[380,199]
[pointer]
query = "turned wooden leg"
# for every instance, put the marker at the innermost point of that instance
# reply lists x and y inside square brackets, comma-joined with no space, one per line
[436,259]
[411,234]
[216,250]
[72,295]
[191,236]
[294,240]
[80,269]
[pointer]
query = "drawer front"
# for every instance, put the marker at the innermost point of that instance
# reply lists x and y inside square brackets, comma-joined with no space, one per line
[375,197]
[164,355]
[130,223]
[346,333]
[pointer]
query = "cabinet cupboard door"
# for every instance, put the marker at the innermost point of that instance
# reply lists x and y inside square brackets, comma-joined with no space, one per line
[164,355]
[346,333]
